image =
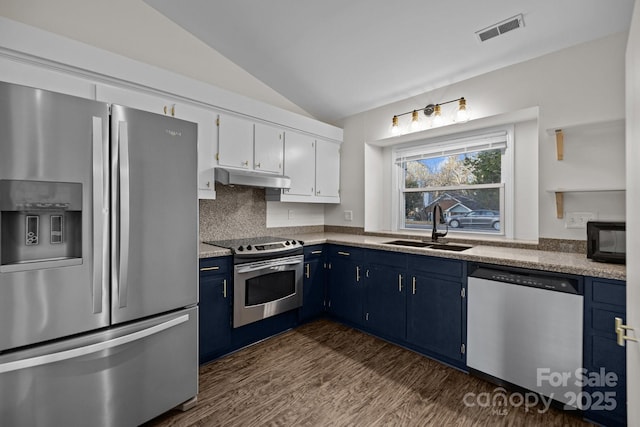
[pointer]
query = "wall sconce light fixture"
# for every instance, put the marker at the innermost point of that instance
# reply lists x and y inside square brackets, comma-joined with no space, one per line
[461,115]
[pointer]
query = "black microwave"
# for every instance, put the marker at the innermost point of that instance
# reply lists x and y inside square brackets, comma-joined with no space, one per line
[607,241]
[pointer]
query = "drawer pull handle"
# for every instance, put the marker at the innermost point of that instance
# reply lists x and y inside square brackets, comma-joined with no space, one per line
[316,252]
[344,253]
[209,268]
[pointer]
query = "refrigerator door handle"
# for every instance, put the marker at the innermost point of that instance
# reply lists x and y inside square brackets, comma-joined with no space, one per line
[90,349]
[100,214]
[123,261]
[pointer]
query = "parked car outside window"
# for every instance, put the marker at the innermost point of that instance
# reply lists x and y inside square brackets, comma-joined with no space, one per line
[476,219]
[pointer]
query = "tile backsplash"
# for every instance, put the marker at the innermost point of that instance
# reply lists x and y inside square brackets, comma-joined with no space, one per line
[239,212]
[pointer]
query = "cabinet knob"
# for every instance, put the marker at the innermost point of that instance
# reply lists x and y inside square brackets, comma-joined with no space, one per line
[257,165]
[245,163]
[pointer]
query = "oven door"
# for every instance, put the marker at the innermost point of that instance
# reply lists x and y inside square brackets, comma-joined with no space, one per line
[265,288]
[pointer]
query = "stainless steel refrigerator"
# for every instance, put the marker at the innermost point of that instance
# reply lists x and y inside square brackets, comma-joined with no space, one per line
[98,261]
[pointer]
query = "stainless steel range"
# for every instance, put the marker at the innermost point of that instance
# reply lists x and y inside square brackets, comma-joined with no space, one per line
[267,277]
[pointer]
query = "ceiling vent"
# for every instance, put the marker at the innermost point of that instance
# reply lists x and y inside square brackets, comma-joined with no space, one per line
[500,28]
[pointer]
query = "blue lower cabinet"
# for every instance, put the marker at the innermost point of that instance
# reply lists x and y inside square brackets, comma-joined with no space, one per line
[435,317]
[604,394]
[314,283]
[346,284]
[412,300]
[385,308]
[215,308]
[437,308]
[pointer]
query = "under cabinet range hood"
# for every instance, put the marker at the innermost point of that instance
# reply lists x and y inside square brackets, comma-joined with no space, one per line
[230,176]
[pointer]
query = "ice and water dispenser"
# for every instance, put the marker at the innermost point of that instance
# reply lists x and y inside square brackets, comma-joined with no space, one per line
[40,223]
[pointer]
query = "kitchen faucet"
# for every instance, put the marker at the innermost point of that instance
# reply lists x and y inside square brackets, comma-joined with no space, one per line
[440,218]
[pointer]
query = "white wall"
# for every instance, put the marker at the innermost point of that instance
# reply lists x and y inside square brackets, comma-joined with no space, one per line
[136,30]
[578,85]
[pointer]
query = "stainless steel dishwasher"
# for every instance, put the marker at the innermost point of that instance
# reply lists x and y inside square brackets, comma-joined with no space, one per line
[525,328]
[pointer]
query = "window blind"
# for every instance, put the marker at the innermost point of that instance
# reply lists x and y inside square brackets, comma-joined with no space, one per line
[489,141]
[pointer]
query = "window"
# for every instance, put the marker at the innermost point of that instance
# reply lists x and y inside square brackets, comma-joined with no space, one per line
[467,177]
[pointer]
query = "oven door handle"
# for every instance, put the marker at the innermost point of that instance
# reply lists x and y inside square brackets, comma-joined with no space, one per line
[268,265]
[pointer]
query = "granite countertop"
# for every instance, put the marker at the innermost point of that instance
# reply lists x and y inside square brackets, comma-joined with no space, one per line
[572,263]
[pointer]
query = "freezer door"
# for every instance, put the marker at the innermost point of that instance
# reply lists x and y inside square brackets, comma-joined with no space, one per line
[154,213]
[53,215]
[121,377]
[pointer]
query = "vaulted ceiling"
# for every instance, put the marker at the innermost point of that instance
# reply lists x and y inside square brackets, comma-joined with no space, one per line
[335,58]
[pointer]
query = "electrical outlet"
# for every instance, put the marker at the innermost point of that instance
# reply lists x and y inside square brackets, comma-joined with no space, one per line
[291,213]
[578,219]
[348,215]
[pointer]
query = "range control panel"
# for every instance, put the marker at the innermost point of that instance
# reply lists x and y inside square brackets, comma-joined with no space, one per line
[269,247]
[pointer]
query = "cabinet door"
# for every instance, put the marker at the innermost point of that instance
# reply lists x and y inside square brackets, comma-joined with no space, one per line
[434,315]
[235,142]
[203,117]
[207,141]
[215,316]
[269,148]
[346,290]
[300,164]
[327,169]
[313,290]
[603,357]
[385,310]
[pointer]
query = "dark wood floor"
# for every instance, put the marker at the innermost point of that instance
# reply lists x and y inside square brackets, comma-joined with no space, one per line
[326,374]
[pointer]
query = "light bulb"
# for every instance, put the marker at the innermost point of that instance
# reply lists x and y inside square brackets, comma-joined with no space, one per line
[395,129]
[437,116]
[415,122]
[462,114]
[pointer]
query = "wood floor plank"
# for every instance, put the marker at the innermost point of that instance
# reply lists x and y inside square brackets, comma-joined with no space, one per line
[326,374]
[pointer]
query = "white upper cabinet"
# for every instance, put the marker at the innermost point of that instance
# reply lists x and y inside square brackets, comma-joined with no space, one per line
[327,169]
[250,135]
[268,148]
[235,142]
[314,168]
[204,118]
[300,164]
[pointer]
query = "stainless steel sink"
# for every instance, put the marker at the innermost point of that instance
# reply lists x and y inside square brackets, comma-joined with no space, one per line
[429,245]
[412,243]
[447,247]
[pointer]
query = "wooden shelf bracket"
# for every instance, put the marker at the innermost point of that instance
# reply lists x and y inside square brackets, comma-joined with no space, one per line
[559,204]
[559,145]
